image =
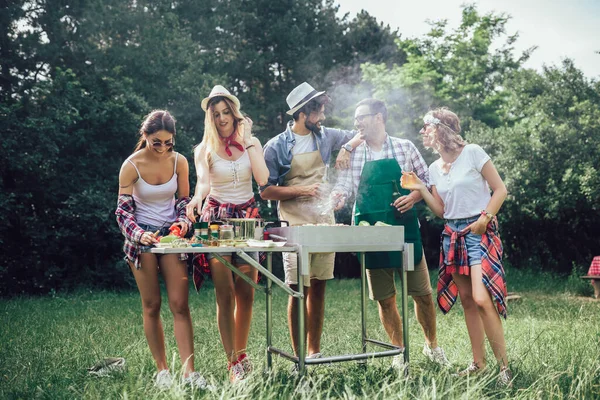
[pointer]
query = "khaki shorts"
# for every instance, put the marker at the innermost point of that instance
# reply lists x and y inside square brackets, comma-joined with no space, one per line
[320,267]
[382,285]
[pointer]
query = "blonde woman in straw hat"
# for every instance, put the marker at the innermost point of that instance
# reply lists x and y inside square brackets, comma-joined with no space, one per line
[226,160]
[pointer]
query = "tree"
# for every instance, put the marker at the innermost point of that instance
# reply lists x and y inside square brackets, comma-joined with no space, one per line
[548,153]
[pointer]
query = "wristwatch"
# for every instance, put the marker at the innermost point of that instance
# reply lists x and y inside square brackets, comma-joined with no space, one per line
[348,147]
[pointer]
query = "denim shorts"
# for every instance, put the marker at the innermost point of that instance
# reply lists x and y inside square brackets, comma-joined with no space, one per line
[472,240]
[164,231]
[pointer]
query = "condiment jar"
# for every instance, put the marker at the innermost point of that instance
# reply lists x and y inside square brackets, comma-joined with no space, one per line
[204,230]
[197,230]
[226,232]
[214,231]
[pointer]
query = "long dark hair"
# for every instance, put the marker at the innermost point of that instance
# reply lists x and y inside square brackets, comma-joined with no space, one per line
[157,120]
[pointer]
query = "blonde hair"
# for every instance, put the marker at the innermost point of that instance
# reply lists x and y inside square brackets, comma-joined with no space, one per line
[211,139]
[447,131]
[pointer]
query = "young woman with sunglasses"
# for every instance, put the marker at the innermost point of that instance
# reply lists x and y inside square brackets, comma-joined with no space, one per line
[147,208]
[226,160]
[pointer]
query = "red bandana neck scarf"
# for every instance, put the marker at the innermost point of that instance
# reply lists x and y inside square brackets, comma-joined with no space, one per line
[230,142]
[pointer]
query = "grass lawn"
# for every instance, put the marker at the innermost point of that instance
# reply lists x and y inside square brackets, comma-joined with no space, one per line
[47,343]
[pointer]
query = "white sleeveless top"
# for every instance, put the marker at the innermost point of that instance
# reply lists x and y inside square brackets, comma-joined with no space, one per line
[155,204]
[230,181]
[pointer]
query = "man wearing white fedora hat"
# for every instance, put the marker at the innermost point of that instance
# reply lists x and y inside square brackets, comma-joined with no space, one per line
[297,160]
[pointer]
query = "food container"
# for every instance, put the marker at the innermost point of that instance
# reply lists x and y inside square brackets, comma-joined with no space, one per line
[247,228]
[214,230]
[226,232]
[204,230]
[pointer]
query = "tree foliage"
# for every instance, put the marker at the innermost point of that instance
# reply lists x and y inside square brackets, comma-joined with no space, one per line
[539,129]
[76,79]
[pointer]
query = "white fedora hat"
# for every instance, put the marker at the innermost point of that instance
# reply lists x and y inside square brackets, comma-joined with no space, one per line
[219,90]
[301,95]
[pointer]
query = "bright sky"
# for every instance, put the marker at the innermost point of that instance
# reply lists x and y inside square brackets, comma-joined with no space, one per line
[560,28]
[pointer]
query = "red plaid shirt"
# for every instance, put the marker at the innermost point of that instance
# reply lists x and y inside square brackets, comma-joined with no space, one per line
[125,213]
[491,267]
[213,209]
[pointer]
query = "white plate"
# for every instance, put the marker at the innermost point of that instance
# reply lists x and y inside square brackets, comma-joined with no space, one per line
[264,243]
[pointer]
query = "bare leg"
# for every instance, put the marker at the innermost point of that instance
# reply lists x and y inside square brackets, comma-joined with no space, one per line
[293,317]
[315,315]
[472,318]
[390,319]
[147,281]
[176,280]
[425,312]
[224,289]
[244,300]
[489,316]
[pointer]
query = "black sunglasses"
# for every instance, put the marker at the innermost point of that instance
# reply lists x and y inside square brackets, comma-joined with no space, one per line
[159,144]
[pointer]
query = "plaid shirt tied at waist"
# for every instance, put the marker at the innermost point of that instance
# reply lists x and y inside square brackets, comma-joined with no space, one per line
[125,213]
[491,266]
[214,210]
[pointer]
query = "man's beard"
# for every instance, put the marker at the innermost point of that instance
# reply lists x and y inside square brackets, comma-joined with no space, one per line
[312,127]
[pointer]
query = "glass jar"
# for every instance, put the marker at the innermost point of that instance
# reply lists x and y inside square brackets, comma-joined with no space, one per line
[214,231]
[204,230]
[226,232]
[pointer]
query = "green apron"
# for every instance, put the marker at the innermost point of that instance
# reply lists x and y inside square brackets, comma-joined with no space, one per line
[377,189]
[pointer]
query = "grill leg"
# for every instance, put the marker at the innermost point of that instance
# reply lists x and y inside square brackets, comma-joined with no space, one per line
[405,314]
[301,330]
[363,301]
[269,312]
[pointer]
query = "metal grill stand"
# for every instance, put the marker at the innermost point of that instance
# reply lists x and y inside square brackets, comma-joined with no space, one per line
[306,240]
[326,239]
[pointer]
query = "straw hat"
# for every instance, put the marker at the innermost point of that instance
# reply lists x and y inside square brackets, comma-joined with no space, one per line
[219,90]
[301,95]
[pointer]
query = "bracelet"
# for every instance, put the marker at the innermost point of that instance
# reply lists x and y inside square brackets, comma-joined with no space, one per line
[487,214]
[249,146]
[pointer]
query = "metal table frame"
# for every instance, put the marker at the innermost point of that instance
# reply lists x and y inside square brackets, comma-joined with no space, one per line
[303,254]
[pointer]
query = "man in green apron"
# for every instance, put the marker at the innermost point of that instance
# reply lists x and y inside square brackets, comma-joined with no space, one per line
[297,160]
[374,179]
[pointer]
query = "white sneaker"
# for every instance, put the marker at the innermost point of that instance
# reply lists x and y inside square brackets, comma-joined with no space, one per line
[399,366]
[471,370]
[505,378]
[163,379]
[196,381]
[246,364]
[236,373]
[436,355]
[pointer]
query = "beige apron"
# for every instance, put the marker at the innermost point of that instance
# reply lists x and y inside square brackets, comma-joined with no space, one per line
[306,169]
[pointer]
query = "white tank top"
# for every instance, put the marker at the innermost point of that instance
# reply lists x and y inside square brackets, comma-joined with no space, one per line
[155,204]
[231,181]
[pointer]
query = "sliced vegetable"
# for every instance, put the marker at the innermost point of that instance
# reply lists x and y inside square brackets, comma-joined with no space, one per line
[168,238]
[364,223]
[379,223]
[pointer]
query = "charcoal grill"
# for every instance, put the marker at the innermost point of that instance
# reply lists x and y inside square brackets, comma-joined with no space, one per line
[335,238]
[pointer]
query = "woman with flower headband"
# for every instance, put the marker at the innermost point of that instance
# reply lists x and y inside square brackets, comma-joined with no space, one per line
[471,250]
[146,208]
[226,160]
